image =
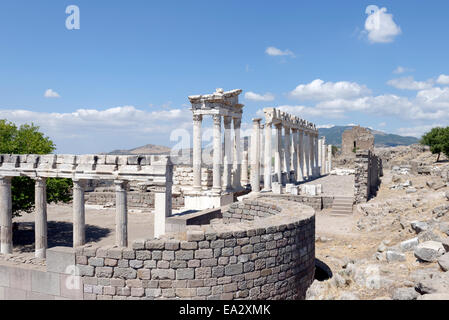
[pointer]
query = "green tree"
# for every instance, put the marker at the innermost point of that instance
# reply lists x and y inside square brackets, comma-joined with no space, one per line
[438,141]
[27,139]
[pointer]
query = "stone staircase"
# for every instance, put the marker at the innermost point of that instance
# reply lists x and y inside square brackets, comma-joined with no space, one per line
[342,206]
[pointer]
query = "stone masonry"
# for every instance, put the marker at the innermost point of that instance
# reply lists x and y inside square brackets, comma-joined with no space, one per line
[368,170]
[267,252]
[357,138]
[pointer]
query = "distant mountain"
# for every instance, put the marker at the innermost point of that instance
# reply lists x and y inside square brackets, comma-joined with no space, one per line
[381,139]
[144,150]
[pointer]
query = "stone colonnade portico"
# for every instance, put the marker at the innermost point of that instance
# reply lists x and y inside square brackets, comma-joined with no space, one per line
[295,154]
[155,169]
[219,105]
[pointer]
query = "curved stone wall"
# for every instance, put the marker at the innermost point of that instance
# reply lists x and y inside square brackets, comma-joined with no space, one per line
[261,249]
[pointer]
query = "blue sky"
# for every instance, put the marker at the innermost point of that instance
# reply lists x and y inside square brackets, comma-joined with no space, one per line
[122,80]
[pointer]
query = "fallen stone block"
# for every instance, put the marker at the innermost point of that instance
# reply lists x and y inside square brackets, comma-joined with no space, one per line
[405,294]
[393,256]
[429,251]
[419,226]
[409,245]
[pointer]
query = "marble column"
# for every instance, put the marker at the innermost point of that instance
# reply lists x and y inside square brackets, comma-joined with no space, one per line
[323,155]
[216,187]
[6,245]
[237,155]
[40,192]
[162,207]
[319,155]
[245,180]
[121,213]
[197,151]
[79,217]
[278,153]
[306,145]
[301,170]
[312,155]
[294,148]
[255,156]
[317,163]
[287,149]
[227,172]
[329,157]
[262,152]
[268,157]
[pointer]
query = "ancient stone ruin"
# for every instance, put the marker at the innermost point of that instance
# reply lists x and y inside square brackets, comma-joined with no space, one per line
[357,139]
[261,247]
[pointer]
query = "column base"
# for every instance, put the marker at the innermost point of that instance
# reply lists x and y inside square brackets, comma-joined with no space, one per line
[207,200]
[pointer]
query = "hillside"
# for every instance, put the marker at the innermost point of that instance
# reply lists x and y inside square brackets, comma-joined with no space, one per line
[147,149]
[381,139]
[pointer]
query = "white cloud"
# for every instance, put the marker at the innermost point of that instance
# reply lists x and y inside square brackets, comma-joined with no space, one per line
[417,131]
[325,126]
[382,124]
[258,97]
[49,93]
[401,69]
[91,130]
[380,26]
[319,90]
[443,79]
[409,83]
[272,51]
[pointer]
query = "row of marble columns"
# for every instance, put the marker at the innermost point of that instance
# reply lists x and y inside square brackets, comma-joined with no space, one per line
[162,210]
[324,156]
[231,159]
[296,155]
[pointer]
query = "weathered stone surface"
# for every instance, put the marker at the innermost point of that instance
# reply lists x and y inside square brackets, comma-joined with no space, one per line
[419,226]
[405,294]
[393,256]
[409,245]
[429,251]
[443,262]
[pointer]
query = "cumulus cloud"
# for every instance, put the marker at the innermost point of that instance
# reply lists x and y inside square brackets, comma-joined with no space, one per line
[319,90]
[49,93]
[92,130]
[409,83]
[443,79]
[380,26]
[273,51]
[259,97]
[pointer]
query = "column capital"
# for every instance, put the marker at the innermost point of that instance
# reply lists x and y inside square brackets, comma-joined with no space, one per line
[5,180]
[217,119]
[257,120]
[227,120]
[197,117]
[120,184]
[237,121]
[79,183]
[278,125]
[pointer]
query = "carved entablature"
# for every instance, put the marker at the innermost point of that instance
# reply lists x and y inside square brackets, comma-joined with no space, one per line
[158,169]
[219,102]
[277,117]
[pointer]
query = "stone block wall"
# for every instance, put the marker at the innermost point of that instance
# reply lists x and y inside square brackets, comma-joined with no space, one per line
[57,281]
[183,177]
[268,257]
[136,199]
[316,202]
[368,170]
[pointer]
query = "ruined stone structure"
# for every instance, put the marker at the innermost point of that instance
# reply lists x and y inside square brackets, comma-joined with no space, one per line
[368,170]
[298,154]
[120,169]
[259,248]
[357,139]
[218,105]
